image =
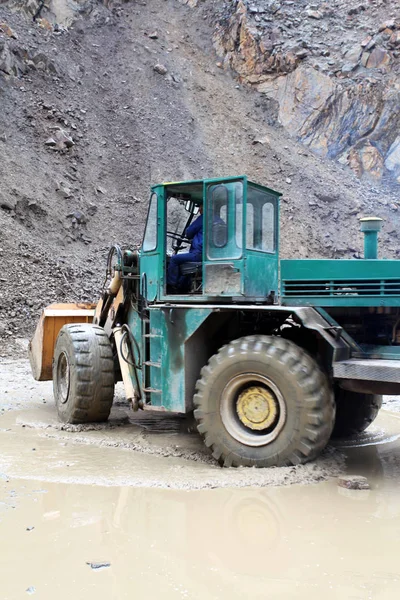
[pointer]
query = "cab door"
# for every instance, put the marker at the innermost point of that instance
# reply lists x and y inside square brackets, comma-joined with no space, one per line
[261,242]
[223,238]
[150,252]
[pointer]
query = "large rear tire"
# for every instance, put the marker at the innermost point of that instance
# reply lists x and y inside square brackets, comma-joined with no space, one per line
[83,374]
[354,412]
[263,401]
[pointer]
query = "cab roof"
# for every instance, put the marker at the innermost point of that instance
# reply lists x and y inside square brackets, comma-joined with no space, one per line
[195,187]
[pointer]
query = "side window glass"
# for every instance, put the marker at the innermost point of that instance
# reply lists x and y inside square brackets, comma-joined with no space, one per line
[239,215]
[260,220]
[150,236]
[250,226]
[177,218]
[217,215]
[268,220]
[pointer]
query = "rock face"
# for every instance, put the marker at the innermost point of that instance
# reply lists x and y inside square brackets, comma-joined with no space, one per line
[333,69]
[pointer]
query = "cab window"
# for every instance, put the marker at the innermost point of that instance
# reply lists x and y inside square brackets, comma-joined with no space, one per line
[224,220]
[150,236]
[260,220]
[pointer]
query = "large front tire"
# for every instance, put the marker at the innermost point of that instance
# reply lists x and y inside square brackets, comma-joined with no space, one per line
[83,374]
[354,412]
[263,401]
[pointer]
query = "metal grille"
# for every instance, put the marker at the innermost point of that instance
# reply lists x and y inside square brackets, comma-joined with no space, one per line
[341,287]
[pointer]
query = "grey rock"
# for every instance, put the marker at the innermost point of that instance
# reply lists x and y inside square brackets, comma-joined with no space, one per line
[79,217]
[65,192]
[161,69]
[353,482]
[92,210]
[327,197]
[348,68]
[98,565]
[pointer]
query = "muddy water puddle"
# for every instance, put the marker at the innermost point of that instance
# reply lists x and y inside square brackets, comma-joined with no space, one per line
[281,542]
[137,508]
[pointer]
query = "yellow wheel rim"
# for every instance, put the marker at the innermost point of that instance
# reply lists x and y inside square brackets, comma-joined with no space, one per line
[257,408]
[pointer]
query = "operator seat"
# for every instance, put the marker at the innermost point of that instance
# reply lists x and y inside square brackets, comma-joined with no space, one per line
[194,270]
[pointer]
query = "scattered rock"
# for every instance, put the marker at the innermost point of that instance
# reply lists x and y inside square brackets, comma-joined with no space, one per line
[96,566]
[60,140]
[378,58]
[7,206]
[64,191]
[327,197]
[366,41]
[30,590]
[261,140]
[78,217]
[314,14]
[153,35]
[6,29]
[92,210]
[161,69]
[353,482]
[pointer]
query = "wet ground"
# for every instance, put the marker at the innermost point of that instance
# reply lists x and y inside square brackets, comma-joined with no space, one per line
[137,507]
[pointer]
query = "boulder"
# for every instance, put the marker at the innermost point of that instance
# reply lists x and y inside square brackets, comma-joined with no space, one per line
[378,58]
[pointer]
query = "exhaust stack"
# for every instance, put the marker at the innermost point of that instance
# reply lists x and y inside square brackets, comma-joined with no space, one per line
[370,226]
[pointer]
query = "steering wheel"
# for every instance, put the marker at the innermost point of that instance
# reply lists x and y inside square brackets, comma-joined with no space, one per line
[176,236]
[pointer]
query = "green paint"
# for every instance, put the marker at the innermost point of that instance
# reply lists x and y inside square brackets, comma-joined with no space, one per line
[340,282]
[241,272]
[370,226]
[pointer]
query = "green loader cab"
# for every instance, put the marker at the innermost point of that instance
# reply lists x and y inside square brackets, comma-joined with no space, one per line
[272,356]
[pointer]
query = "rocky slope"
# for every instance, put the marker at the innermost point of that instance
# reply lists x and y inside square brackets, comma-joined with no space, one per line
[98,102]
[330,69]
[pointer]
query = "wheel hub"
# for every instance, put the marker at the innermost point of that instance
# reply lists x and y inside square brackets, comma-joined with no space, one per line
[63,377]
[257,408]
[252,409]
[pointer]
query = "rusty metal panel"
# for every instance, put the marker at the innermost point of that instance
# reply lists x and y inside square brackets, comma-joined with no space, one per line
[53,317]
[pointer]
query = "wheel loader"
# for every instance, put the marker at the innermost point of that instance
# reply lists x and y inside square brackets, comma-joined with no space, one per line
[272,356]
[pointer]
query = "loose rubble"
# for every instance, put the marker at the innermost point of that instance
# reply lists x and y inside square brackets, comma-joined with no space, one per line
[353,482]
[87,124]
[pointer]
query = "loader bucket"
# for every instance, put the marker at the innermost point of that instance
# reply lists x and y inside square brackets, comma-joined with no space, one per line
[41,347]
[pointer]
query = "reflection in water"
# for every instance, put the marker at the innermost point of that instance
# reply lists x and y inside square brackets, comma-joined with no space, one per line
[310,540]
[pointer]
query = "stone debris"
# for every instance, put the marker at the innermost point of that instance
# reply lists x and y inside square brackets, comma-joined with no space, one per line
[97,566]
[353,482]
[60,140]
[161,69]
[82,138]
[6,29]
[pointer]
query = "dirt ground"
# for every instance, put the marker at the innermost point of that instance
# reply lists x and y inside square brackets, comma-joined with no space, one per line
[137,506]
[60,210]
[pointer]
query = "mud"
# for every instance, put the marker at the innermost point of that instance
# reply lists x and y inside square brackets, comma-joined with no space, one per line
[145,449]
[85,512]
